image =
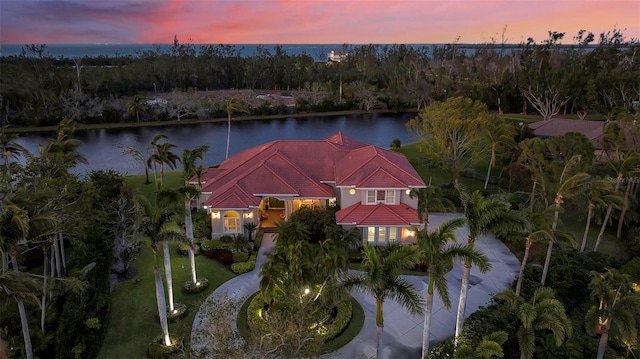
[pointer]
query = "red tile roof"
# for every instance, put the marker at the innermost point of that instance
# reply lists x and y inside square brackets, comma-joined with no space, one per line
[300,168]
[378,215]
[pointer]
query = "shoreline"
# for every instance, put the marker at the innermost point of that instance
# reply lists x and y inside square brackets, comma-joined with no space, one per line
[121,125]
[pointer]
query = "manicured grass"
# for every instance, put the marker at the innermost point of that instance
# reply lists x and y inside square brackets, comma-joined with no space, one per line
[172,180]
[609,244]
[133,321]
[350,332]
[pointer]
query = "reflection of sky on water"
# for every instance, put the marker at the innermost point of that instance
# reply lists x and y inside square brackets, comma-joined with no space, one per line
[100,145]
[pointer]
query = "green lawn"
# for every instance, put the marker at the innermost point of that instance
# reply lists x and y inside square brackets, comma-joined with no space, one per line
[133,320]
[609,244]
[172,179]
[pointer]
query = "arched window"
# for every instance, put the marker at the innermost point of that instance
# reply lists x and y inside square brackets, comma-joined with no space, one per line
[231,222]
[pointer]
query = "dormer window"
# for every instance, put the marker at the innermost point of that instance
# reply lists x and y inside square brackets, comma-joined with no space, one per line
[378,196]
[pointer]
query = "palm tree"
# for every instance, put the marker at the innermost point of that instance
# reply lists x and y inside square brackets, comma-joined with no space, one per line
[497,134]
[598,193]
[382,280]
[567,186]
[20,287]
[483,215]
[438,253]
[154,157]
[233,105]
[163,155]
[250,227]
[544,312]
[538,229]
[621,168]
[136,105]
[618,308]
[189,158]
[490,347]
[160,301]
[531,157]
[9,149]
[430,199]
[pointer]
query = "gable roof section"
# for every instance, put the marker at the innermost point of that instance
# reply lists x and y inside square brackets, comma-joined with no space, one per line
[300,168]
[378,215]
[593,130]
[358,166]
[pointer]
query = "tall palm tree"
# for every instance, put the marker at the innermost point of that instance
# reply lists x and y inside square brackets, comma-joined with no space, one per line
[544,312]
[136,105]
[618,308]
[234,105]
[621,168]
[598,193]
[163,156]
[538,229]
[381,279]
[154,157]
[437,251]
[567,186]
[483,215]
[499,135]
[531,157]
[158,226]
[20,287]
[189,158]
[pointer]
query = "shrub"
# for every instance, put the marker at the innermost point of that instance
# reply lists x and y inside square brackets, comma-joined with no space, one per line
[240,257]
[395,144]
[342,319]
[226,238]
[201,224]
[183,249]
[633,241]
[201,285]
[632,268]
[255,322]
[356,257]
[243,267]
[211,244]
[157,350]
[223,256]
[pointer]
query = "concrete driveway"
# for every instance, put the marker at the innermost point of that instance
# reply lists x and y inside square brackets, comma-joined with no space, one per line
[402,336]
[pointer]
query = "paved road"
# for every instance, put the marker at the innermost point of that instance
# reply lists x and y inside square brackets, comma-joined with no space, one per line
[402,336]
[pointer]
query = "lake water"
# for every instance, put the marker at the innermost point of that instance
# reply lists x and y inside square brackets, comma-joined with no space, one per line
[100,146]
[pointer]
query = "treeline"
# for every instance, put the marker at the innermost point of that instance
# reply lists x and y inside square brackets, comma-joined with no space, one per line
[599,73]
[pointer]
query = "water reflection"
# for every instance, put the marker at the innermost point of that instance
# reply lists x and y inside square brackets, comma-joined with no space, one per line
[100,145]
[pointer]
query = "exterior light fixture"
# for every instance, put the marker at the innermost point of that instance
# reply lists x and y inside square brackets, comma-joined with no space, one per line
[215,214]
[306,291]
[411,233]
[408,191]
[248,215]
[352,191]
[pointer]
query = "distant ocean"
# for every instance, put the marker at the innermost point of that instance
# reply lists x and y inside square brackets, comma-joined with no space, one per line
[317,51]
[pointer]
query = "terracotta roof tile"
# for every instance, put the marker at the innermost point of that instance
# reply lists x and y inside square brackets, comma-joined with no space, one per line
[378,215]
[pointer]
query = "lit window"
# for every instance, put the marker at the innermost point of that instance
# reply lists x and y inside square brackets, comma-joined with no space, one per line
[393,234]
[231,222]
[371,234]
[382,234]
[390,197]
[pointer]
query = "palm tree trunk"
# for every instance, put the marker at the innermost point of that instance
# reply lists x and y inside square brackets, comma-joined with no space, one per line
[63,257]
[56,253]
[188,223]
[547,259]
[426,330]
[624,211]
[533,191]
[462,303]
[486,181]
[28,348]
[379,330]
[602,345]
[527,247]
[162,306]
[146,174]
[161,172]
[226,154]
[167,273]
[43,312]
[606,217]
[586,228]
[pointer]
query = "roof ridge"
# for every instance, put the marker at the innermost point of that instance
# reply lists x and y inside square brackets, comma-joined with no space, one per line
[315,183]
[393,163]
[378,168]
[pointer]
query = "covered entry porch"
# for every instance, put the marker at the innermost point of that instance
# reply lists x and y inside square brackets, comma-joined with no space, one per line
[275,209]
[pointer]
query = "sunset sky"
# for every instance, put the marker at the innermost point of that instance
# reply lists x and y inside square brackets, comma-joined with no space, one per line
[308,21]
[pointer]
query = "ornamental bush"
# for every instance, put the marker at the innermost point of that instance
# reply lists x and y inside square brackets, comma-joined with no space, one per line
[240,257]
[183,249]
[341,321]
[243,267]
[211,244]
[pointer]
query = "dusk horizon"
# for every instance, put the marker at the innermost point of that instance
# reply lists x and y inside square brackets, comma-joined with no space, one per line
[309,22]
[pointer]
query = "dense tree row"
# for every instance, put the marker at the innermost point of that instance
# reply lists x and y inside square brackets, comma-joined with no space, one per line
[594,75]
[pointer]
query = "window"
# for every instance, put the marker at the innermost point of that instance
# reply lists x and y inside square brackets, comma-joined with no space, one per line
[390,197]
[231,222]
[381,235]
[393,234]
[371,235]
[371,197]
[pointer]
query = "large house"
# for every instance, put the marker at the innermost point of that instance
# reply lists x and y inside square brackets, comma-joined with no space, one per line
[265,184]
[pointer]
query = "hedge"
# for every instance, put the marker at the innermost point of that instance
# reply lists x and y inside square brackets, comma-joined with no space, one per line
[211,244]
[240,257]
[243,267]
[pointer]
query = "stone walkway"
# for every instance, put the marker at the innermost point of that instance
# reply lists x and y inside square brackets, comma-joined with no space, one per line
[402,336]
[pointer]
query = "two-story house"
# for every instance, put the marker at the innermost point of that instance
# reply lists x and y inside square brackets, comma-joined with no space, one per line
[267,183]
